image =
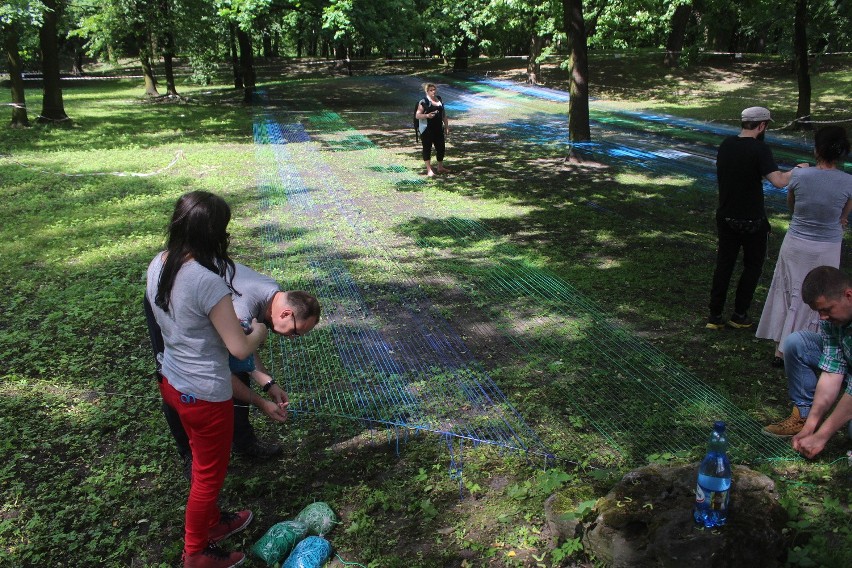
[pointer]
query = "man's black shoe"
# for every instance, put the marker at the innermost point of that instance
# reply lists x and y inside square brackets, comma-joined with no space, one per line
[258,449]
[715,322]
[740,321]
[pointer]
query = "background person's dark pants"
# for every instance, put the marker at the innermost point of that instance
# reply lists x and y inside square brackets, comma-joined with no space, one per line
[429,139]
[754,248]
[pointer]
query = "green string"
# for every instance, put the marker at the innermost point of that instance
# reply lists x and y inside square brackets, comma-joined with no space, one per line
[342,561]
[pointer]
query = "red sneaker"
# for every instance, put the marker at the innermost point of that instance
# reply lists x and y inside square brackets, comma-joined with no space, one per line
[213,557]
[229,523]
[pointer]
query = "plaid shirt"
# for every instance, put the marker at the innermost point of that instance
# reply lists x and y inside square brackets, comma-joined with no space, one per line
[836,350]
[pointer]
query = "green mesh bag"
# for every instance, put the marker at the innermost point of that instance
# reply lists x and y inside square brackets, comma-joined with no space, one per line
[318,517]
[279,541]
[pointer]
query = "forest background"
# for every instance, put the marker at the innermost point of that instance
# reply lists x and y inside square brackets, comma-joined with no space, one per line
[89,476]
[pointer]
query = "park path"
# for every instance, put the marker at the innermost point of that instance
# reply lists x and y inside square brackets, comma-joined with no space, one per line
[409,330]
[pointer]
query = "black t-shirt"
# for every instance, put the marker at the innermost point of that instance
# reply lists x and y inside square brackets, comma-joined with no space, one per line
[436,124]
[741,164]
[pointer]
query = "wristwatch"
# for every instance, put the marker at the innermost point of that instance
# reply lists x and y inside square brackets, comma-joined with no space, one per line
[268,385]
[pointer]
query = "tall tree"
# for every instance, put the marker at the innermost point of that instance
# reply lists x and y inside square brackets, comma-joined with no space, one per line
[146,56]
[19,102]
[52,106]
[677,33]
[246,64]
[244,13]
[803,77]
[235,56]
[166,33]
[578,67]
[15,17]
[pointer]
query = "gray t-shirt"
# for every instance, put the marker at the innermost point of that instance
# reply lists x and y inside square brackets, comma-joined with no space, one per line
[253,293]
[256,292]
[195,360]
[820,198]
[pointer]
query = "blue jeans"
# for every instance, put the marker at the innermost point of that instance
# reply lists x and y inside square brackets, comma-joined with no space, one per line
[802,351]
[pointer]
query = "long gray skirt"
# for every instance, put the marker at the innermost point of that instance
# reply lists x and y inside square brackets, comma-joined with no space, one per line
[784,311]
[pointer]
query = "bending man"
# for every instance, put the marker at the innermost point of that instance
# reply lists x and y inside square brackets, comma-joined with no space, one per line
[818,364]
[290,314]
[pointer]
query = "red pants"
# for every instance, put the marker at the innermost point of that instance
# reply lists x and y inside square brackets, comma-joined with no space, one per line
[210,427]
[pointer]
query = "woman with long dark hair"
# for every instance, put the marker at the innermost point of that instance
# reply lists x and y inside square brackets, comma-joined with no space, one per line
[189,286]
[821,200]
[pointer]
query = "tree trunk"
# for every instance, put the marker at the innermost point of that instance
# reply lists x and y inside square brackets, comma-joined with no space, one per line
[235,60]
[578,107]
[166,29]
[460,63]
[19,103]
[267,43]
[169,72]
[246,64]
[168,64]
[533,65]
[674,43]
[147,69]
[803,77]
[77,68]
[52,107]
[76,47]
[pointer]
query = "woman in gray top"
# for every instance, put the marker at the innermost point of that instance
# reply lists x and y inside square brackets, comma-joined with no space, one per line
[821,200]
[189,288]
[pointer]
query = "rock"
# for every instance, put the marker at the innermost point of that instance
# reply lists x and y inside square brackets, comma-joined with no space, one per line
[646,520]
[561,528]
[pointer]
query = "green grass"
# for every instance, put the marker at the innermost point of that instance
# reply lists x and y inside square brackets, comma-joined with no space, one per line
[88,475]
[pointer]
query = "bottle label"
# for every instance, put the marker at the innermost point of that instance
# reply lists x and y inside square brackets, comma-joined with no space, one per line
[713,500]
[699,494]
[718,501]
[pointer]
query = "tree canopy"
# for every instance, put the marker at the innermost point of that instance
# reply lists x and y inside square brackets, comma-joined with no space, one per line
[205,33]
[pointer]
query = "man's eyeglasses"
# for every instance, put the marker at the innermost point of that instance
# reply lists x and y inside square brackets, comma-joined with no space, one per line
[294,333]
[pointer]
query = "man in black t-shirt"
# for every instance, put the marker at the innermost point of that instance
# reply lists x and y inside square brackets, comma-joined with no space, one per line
[741,164]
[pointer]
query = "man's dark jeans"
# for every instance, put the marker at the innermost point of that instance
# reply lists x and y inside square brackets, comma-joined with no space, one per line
[754,248]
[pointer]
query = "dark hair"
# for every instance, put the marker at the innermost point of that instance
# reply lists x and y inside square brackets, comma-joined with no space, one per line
[825,281]
[197,232]
[752,124]
[304,305]
[831,143]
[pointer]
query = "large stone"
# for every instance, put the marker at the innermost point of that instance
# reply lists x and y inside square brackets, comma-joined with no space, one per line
[646,520]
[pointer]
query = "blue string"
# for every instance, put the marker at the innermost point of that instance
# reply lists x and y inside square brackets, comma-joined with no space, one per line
[313,552]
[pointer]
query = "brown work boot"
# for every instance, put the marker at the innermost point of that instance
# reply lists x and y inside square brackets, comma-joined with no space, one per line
[213,557]
[790,426]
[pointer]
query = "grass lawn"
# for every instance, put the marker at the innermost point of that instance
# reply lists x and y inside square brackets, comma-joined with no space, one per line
[88,473]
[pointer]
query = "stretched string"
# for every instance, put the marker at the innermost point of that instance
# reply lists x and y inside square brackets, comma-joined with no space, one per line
[178,155]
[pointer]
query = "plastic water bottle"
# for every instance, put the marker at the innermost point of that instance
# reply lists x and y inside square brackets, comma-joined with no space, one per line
[714,481]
